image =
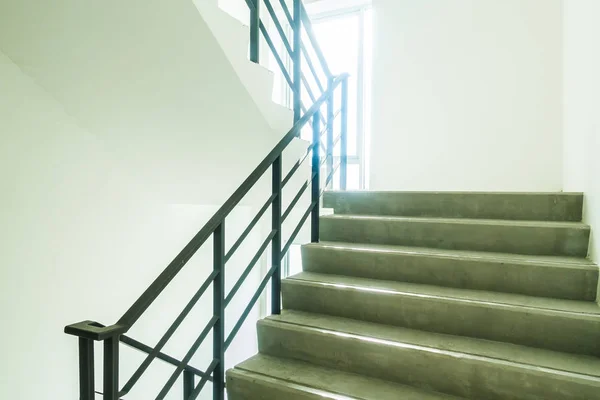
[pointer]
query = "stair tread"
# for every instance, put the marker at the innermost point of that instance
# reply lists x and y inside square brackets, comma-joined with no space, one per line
[462,221]
[541,360]
[554,261]
[578,309]
[566,194]
[333,382]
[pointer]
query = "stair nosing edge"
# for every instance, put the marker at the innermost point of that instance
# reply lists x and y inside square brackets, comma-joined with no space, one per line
[445,254]
[299,386]
[429,349]
[580,225]
[552,311]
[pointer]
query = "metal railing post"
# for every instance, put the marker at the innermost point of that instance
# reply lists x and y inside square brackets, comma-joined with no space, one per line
[297,58]
[255,32]
[329,153]
[276,242]
[111,368]
[344,137]
[188,384]
[316,177]
[219,312]
[86,369]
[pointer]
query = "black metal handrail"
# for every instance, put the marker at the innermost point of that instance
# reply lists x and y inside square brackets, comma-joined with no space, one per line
[89,331]
[112,336]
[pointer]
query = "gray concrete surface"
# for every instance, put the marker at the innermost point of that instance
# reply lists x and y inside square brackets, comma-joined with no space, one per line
[520,237]
[513,206]
[459,374]
[244,385]
[557,277]
[537,322]
[433,296]
[314,380]
[576,363]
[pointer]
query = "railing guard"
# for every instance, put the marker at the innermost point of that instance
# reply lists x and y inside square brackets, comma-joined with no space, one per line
[112,336]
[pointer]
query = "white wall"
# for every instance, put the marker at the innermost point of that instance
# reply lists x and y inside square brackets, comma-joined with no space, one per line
[234,38]
[467,95]
[582,109]
[110,149]
[150,80]
[237,9]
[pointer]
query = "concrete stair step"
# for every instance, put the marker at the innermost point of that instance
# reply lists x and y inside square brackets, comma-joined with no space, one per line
[514,206]
[566,362]
[531,321]
[266,377]
[459,366]
[520,237]
[243,385]
[542,276]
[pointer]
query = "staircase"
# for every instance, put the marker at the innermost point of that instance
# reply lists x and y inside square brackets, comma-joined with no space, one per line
[403,295]
[435,296]
[324,117]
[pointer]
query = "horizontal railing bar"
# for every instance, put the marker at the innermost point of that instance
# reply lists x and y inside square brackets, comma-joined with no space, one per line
[165,390]
[254,260]
[323,131]
[296,198]
[337,140]
[311,67]
[296,166]
[311,35]
[287,13]
[324,160]
[308,88]
[336,114]
[252,224]
[200,386]
[330,177]
[278,59]
[161,282]
[297,230]
[311,95]
[279,28]
[135,344]
[167,335]
[253,300]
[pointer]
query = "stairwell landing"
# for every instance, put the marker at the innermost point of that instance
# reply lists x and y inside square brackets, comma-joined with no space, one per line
[435,296]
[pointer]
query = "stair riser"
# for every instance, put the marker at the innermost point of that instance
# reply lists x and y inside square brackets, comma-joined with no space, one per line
[243,387]
[464,273]
[538,207]
[532,240]
[511,324]
[302,375]
[472,378]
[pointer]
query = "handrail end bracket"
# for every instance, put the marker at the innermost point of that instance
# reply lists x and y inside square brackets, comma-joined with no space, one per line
[94,330]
